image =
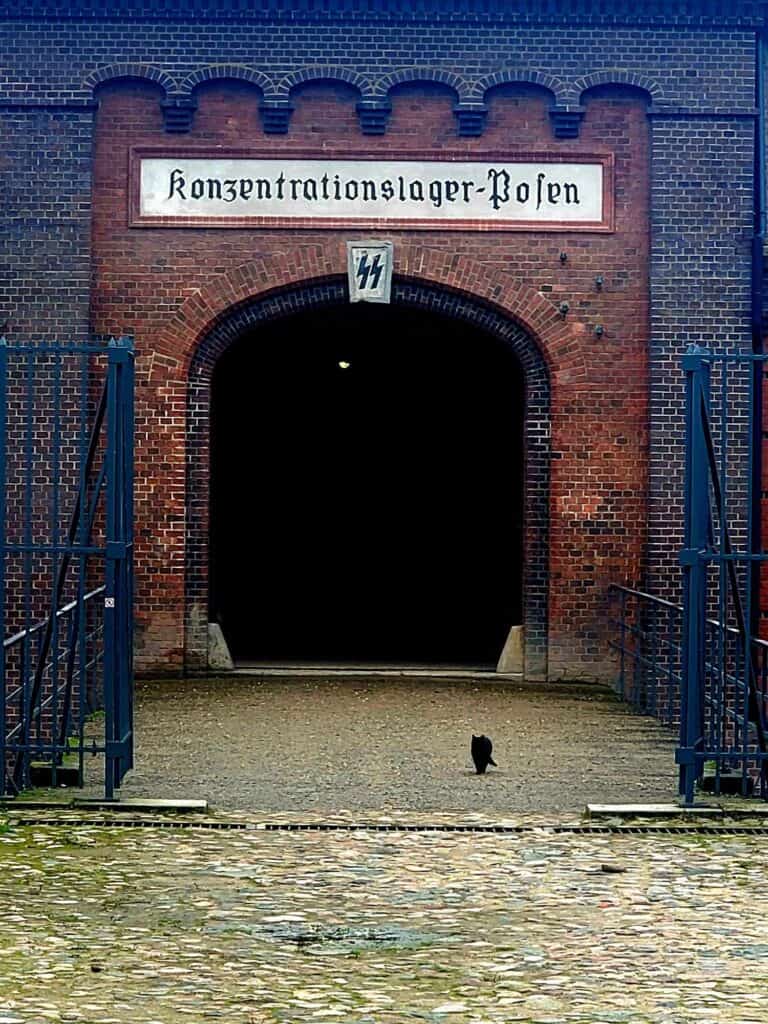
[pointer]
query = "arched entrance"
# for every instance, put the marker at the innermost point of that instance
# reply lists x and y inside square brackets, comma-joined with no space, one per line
[366,490]
[378,480]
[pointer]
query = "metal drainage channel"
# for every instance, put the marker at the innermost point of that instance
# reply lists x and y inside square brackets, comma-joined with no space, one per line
[242,826]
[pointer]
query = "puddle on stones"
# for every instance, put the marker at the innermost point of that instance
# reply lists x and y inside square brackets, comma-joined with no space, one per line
[352,940]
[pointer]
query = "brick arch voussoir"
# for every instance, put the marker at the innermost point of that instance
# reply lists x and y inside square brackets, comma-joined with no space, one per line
[220,72]
[323,73]
[556,338]
[203,310]
[532,311]
[619,76]
[561,93]
[147,72]
[404,76]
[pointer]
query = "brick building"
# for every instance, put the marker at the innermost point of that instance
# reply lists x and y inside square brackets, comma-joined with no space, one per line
[573,203]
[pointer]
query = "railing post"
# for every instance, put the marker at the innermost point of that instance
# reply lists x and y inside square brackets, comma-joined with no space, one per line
[622,641]
[693,561]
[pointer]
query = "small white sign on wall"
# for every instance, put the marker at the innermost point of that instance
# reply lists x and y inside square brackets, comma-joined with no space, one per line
[369,271]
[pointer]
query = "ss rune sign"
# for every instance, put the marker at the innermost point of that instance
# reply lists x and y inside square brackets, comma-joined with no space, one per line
[369,271]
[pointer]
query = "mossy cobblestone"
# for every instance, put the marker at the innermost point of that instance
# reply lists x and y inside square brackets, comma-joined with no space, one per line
[106,925]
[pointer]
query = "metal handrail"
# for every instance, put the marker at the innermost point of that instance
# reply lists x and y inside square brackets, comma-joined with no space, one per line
[18,637]
[644,596]
[758,641]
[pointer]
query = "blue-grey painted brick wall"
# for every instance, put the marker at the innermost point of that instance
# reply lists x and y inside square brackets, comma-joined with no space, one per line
[45,190]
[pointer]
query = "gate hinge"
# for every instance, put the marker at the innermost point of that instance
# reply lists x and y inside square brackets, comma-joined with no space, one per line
[685,755]
[689,556]
[116,549]
[115,748]
[694,358]
[121,350]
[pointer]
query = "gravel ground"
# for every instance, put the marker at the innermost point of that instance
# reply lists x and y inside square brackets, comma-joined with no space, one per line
[308,744]
[158,926]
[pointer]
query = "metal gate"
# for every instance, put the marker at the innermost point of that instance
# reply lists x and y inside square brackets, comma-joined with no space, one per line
[66,549]
[724,664]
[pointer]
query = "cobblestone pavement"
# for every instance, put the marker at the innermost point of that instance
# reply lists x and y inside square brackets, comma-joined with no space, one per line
[331,744]
[111,926]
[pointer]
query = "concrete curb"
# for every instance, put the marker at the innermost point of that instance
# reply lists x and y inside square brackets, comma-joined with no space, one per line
[598,811]
[95,804]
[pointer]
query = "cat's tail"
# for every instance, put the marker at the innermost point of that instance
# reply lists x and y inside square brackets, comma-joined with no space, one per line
[491,761]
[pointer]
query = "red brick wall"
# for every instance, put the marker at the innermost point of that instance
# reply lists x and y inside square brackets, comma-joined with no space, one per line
[166,286]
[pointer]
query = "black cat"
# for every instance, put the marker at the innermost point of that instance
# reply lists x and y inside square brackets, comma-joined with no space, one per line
[481,753]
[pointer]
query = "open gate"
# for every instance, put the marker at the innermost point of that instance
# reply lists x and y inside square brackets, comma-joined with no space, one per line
[724,663]
[66,550]
[701,667]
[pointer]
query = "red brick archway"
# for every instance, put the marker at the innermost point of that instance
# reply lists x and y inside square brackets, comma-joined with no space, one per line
[546,340]
[591,464]
[407,293]
[556,334]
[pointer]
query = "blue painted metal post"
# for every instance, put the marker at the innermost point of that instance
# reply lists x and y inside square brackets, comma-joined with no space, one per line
[110,575]
[118,610]
[694,563]
[127,449]
[3,427]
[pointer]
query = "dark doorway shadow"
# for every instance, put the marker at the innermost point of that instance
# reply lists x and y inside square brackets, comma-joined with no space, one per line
[367,490]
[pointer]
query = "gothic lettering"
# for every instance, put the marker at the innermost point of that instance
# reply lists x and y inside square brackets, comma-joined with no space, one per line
[571,192]
[177,184]
[500,181]
[539,188]
[528,191]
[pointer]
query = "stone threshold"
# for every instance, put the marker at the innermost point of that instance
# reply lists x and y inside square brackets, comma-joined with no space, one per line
[673,810]
[374,672]
[129,805]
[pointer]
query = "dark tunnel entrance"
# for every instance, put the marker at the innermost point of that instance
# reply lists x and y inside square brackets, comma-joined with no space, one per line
[367,490]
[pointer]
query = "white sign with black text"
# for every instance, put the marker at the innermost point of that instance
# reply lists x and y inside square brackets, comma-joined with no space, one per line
[503,193]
